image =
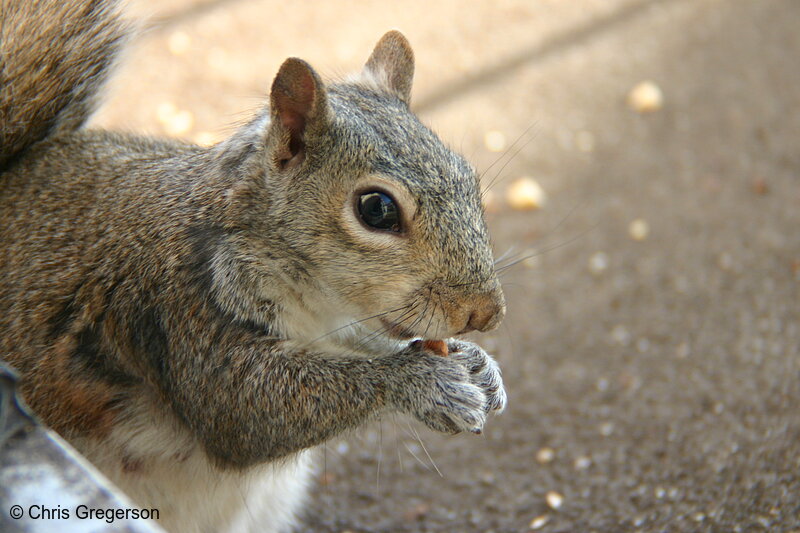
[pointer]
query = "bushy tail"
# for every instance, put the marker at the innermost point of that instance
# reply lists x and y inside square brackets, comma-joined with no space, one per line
[55,56]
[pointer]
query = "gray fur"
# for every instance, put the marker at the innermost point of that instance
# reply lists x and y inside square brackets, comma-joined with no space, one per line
[209,281]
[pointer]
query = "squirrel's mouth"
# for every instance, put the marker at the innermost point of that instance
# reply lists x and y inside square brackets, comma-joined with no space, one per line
[397,331]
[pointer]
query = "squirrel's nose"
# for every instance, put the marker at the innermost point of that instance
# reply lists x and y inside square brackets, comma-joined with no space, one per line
[486,313]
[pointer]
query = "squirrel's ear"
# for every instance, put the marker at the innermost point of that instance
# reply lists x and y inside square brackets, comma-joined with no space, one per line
[299,108]
[391,64]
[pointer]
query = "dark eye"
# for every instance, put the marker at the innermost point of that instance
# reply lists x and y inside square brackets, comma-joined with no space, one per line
[379,210]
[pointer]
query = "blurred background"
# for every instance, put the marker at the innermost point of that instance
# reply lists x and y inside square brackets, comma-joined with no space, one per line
[643,165]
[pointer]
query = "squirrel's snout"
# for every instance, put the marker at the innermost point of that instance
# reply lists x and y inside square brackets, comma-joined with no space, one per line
[485,312]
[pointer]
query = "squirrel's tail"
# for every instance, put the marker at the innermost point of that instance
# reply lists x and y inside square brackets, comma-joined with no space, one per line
[55,56]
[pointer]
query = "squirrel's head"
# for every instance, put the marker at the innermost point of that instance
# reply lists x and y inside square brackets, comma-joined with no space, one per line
[370,211]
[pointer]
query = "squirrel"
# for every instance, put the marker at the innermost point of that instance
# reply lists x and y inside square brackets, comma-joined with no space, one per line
[195,320]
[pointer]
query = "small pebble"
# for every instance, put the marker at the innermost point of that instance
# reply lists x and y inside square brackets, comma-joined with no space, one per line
[621,335]
[165,111]
[646,97]
[525,194]
[495,141]
[598,263]
[639,229]
[565,138]
[180,123]
[539,522]
[582,462]
[584,140]
[218,58]
[764,521]
[205,138]
[545,455]
[606,428]
[682,351]
[682,284]
[642,345]
[179,43]
[175,121]
[416,512]
[554,500]
[629,381]
[725,261]
[759,186]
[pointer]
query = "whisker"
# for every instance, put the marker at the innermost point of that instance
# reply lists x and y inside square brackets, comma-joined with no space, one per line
[408,313]
[560,222]
[353,323]
[325,464]
[380,459]
[506,151]
[442,317]
[418,319]
[433,313]
[410,433]
[424,449]
[364,341]
[565,217]
[421,316]
[504,256]
[548,249]
[396,447]
[514,259]
[496,179]
[243,495]
[420,461]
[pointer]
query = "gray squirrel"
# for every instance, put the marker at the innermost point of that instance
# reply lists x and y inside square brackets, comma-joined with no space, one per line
[195,320]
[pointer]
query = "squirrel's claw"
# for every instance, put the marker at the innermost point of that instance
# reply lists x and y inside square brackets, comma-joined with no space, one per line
[484,371]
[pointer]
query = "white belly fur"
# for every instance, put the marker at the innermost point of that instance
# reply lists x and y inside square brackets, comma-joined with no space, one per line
[158,465]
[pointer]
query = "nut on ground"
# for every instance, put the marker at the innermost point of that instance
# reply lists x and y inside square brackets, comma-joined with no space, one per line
[638,229]
[554,499]
[646,97]
[526,194]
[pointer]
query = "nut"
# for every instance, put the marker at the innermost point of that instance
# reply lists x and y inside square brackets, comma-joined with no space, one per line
[525,194]
[646,97]
[438,347]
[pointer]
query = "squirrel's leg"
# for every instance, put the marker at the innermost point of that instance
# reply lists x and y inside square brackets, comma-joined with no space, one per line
[250,398]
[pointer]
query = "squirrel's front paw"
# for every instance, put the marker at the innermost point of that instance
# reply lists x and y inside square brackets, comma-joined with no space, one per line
[449,394]
[483,369]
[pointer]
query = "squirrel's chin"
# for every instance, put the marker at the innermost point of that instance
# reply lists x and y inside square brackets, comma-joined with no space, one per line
[398,331]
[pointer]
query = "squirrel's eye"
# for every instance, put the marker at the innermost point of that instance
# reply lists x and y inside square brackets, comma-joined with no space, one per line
[379,210]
